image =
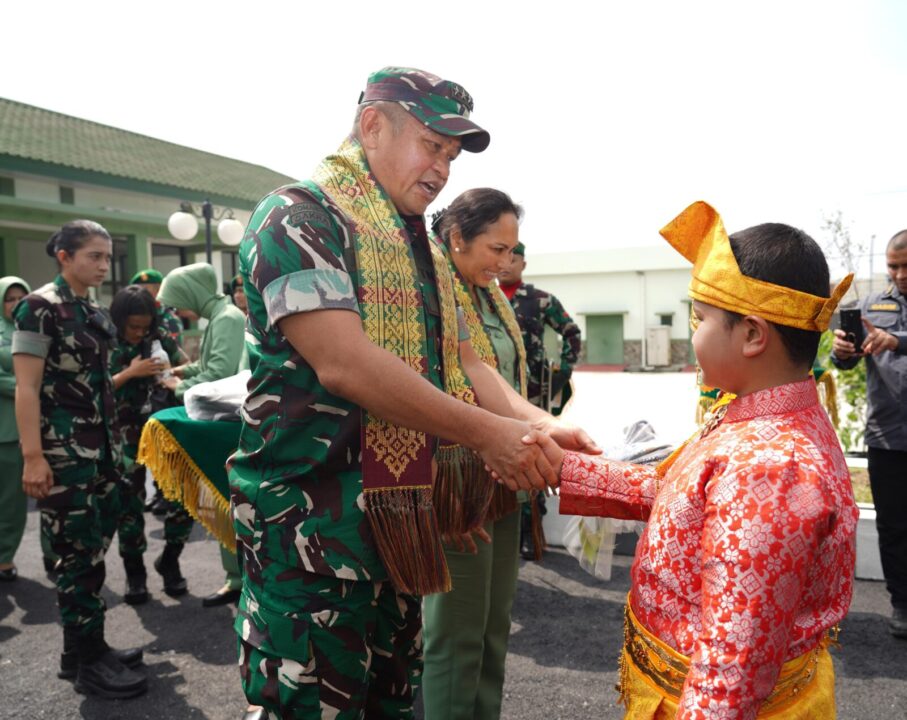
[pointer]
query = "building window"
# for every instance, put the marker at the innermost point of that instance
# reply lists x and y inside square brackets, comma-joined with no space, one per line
[7,186]
[666,319]
[67,195]
[165,258]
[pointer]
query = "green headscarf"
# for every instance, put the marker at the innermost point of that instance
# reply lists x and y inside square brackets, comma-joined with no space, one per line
[5,284]
[191,287]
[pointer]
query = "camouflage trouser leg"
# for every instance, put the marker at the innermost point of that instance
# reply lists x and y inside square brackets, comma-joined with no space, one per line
[177,525]
[80,516]
[131,525]
[331,648]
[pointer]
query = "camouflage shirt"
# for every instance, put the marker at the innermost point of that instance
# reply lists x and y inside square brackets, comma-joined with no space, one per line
[296,479]
[171,324]
[133,398]
[534,310]
[74,336]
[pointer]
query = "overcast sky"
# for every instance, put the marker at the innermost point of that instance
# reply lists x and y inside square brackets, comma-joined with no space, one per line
[606,119]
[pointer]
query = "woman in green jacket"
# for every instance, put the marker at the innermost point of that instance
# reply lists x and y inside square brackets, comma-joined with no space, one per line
[13,502]
[193,291]
[193,288]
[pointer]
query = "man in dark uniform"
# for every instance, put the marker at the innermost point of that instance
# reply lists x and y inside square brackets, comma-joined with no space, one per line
[885,350]
[548,384]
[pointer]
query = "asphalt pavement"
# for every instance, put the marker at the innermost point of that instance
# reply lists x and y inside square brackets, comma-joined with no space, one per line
[566,635]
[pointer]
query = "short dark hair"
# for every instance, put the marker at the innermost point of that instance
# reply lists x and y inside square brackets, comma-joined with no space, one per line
[786,256]
[898,241]
[473,211]
[73,236]
[133,300]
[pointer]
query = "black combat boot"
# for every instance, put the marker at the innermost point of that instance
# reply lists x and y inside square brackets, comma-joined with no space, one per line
[136,578]
[168,565]
[69,659]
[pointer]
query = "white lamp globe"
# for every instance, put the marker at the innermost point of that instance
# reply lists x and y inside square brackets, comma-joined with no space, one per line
[230,231]
[182,225]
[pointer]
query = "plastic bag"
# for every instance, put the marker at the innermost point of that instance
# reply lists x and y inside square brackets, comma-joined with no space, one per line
[591,540]
[219,399]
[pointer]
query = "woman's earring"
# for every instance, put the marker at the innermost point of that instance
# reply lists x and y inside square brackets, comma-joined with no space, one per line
[456,249]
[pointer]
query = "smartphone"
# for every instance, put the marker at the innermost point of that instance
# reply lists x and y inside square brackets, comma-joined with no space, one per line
[852,325]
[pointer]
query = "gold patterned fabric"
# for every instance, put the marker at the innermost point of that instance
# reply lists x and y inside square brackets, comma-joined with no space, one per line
[501,500]
[397,461]
[698,234]
[652,675]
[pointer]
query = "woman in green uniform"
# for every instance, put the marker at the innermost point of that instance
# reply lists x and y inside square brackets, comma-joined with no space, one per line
[144,348]
[66,418]
[466,630]
[12,499]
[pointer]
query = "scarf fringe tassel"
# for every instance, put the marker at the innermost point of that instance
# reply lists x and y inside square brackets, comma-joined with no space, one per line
[462,490]
[402,520]
[181,480]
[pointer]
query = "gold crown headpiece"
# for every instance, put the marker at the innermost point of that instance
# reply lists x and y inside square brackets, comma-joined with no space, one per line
[699,235]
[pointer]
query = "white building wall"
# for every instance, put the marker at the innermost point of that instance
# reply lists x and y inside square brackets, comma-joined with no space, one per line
[640,295]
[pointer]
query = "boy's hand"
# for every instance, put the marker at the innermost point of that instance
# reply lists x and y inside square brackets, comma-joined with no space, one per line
[567,435]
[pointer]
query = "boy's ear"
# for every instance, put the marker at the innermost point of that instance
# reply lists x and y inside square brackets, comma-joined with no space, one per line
[756,333]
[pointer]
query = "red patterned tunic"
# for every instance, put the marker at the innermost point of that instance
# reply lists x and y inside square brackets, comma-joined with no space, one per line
[748,555]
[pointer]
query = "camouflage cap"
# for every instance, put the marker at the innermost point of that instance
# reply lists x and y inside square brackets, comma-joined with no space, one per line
[147,277]
[520,249]
[438,104]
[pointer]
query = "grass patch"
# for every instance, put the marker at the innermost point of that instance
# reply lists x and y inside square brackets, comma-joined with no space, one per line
[859,478]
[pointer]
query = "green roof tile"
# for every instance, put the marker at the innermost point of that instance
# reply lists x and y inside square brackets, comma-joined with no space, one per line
[35,134]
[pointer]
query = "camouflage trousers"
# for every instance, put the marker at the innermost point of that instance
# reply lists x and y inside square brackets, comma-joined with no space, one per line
[79,517]
[131,524]
[316,646]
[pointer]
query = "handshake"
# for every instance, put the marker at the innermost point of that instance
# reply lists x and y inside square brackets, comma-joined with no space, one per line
[526,456]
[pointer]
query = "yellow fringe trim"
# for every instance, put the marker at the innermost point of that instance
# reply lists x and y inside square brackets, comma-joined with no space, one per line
[181,480]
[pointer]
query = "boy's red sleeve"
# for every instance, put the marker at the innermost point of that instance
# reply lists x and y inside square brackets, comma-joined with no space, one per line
[594,485]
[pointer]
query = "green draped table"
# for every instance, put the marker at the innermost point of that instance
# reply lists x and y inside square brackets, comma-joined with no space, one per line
[187,458]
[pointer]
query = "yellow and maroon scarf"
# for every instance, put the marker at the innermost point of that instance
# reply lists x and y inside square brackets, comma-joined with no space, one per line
[397,461]
[501,501]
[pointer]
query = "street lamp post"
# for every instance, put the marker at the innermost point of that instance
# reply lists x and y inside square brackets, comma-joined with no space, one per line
[183,225]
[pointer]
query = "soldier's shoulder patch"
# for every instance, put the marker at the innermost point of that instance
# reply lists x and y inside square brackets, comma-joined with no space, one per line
[884,307]
[309,212]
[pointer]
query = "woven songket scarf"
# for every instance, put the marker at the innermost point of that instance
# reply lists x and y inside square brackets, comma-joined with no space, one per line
[495,499]
[397,461]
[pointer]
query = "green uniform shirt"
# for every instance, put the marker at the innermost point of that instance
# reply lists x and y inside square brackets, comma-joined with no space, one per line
[133,398]
[297,477]
[74,336]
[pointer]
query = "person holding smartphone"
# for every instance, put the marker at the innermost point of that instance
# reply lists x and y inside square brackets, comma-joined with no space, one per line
[884,347]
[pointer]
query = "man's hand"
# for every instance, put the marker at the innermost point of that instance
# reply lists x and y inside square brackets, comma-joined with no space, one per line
[466,542]
[37,478]
[178,370]
[171,382]
[567,435]
[842,348]
[514,455]
[877,340]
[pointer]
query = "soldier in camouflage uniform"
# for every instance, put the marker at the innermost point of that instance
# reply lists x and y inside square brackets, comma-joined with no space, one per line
[536,309]
[136,318]
[322,631]
[170,323]
[66,414]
